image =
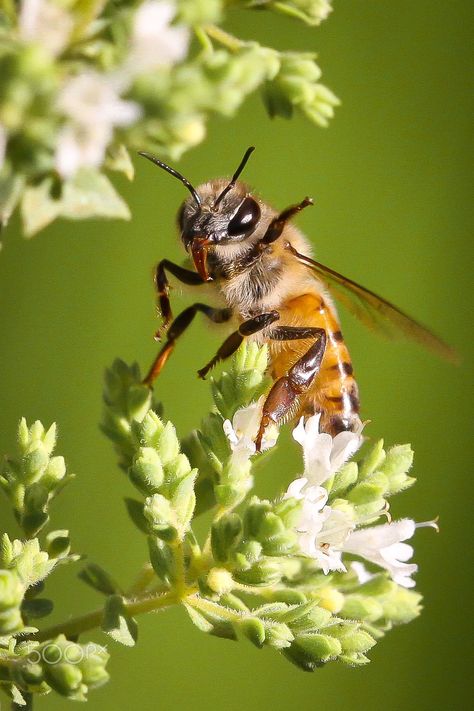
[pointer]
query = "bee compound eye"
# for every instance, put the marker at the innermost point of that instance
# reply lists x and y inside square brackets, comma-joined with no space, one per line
[245,219]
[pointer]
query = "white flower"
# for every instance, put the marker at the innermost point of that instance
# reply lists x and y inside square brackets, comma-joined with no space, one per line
[45,22]
[324,455]
[383,546]
[94,108]
[322,530]
[243,429]
[155,42]
[363,575]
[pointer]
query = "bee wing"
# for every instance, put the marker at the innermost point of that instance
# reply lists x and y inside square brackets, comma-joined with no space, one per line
[374,311]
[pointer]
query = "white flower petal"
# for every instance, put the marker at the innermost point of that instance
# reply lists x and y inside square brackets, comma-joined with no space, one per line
[46,23]
[323,455]
[363,575]
[155,41]
[383,546]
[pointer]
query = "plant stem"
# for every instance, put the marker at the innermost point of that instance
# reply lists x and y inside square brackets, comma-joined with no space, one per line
[84,623]
[224,38]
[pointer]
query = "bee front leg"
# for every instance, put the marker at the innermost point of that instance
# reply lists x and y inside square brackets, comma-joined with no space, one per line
[300,376]
[186,276]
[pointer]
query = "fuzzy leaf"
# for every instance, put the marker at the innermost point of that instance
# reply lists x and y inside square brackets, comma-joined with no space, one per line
[117,623]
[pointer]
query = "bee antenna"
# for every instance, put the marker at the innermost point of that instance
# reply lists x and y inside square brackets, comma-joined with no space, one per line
[242,165]
[174,173]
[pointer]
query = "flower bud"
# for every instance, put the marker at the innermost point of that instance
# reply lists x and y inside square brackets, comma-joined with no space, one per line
[146,471]
[11,590]
[309,651]
[220,580]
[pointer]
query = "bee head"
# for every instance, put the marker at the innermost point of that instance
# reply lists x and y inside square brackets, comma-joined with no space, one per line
[217,213]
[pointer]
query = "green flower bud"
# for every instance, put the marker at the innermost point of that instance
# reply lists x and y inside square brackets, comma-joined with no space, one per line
[225,534]
[93,665]
[11,590]
[278,635]
[58,544]
[220,581]
[10,621]
[253,629]
[264,572]
[199,12]
[373,460]
[309,651]
[54,473]
[161,517]
[401,606]
[146,471]
[351,637]
[359,607]
[64,678]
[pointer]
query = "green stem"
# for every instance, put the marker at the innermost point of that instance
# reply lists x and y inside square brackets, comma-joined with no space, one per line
[142,581]
[224,38]
[84,623]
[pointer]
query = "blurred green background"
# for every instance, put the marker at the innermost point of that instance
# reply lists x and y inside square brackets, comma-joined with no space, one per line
[391,185]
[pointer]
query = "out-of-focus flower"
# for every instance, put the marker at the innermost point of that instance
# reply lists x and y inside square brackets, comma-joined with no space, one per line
[93,107]
[243,429]
[155,41]
[45,22]
[322,530]
[324,455]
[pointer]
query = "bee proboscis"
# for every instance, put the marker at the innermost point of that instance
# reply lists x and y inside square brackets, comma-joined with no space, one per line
[278,295]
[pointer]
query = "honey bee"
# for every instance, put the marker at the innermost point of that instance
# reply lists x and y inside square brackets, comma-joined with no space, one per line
[278,295]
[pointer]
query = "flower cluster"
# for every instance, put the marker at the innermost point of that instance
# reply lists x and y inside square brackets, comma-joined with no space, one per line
[81,83]
[313,573]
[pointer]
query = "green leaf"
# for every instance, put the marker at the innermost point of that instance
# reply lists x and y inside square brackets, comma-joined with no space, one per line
[88,194]
[97,578]
[206,616]
[91,194]
[37,608]
[117,623]
[38,207]
[11,187]
[135,511]
[118,159]
[161,559]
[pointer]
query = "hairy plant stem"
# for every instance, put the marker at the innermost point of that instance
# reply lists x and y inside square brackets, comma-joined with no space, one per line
[224,38]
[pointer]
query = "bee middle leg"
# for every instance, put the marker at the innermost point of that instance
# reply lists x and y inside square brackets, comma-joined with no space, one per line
[286,389]
[247,328]
[178,326]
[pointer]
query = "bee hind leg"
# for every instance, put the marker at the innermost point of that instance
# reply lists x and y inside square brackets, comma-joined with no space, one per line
[286,389]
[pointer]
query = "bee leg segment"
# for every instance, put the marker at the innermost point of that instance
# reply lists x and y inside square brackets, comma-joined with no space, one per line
[230,345]
[186,276]
[277,225]
[178,326]
[285,390]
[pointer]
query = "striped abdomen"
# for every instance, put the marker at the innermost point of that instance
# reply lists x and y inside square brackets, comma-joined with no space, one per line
[334,391]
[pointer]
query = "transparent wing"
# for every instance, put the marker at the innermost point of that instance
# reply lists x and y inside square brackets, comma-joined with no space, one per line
[375,312]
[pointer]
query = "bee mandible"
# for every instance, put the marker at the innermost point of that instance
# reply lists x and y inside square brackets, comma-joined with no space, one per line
[277,294]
